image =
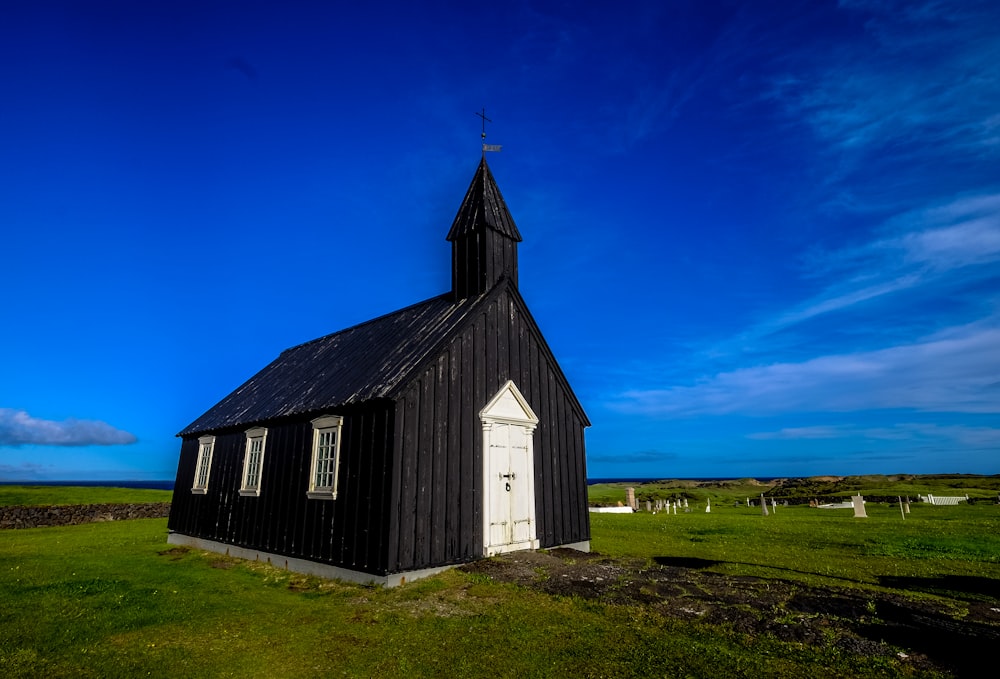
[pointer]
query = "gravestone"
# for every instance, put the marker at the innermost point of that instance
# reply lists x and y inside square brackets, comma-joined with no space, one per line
[763,506]
[859,507]
[630,498]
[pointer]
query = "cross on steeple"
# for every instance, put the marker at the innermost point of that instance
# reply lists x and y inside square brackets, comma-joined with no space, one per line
[485,120]
[486,147]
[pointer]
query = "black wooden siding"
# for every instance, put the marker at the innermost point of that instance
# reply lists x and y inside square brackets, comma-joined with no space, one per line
[437,474]
[350,532]
[480,260]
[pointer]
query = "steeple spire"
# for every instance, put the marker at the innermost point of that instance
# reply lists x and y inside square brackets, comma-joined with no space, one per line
[483,238]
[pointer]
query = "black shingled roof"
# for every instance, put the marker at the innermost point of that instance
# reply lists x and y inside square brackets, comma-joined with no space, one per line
[483,206]
[363,362]
[369,360]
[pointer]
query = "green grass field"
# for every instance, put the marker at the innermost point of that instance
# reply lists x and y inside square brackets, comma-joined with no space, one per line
[114,600]
[816,546]
[78,495]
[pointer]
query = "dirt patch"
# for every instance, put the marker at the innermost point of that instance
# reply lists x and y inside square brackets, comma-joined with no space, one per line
[921,633]
[175,553]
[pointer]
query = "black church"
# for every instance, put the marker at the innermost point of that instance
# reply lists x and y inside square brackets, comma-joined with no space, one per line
[435,435]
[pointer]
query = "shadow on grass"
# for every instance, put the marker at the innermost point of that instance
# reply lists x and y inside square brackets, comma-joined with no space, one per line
[686,562]
[963,645]
[697,564]
[963,586]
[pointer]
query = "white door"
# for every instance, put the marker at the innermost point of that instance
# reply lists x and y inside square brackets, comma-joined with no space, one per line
[511,503]
[508,470]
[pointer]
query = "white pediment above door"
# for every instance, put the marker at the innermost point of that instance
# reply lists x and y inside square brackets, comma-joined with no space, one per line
[509,406]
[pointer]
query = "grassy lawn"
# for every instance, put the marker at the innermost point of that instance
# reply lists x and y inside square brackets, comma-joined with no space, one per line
[114,600]
[78,495]
[817,546]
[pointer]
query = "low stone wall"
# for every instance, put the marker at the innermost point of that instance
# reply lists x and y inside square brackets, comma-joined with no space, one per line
[35,516]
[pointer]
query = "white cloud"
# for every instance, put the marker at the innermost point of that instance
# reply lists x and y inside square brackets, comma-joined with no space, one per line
[953,371]
[18,428]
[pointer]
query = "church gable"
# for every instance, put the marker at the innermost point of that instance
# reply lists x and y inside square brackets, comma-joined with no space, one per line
[439,456]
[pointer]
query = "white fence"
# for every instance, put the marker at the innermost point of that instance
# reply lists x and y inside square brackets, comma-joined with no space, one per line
[938,500]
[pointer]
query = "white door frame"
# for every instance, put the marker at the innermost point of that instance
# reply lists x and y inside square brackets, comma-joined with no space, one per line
[508,407]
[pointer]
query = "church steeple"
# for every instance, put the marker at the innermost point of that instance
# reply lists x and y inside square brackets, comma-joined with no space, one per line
[483,238]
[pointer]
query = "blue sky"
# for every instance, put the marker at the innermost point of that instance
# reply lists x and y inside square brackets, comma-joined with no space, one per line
[763,239]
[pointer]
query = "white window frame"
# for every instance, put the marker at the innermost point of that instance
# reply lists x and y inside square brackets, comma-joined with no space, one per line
[320,469]
[256,444]
[206,444]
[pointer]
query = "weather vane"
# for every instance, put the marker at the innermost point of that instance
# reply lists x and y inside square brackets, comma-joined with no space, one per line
[487,147]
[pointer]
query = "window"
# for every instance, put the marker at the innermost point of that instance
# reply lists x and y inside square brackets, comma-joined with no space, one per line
[203,467]
[253,461]
[325,457]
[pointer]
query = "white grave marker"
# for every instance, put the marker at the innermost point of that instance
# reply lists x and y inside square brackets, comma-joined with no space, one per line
[859,507]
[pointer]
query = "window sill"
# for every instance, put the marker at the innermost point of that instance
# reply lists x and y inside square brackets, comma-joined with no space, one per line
[199,491]
[322,494]
[250,492]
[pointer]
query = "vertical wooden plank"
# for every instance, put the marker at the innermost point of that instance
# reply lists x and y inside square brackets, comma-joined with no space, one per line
[365,505]
[550,451]
[503,345]
[396,451]
[408,493]
[471,493]
[439,482]
[491,384]
[302,506]
[382,490]
[453,443]
[571,489]
[559,473]
[425,460]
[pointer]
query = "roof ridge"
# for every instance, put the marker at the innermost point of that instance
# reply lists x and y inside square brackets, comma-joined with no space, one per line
[368,322]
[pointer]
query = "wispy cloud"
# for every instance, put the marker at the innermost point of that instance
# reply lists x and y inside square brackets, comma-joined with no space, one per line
[18,428]
[24,470]
[957,370]
[864,97]
[637,457]
[964,434]
[917,248]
